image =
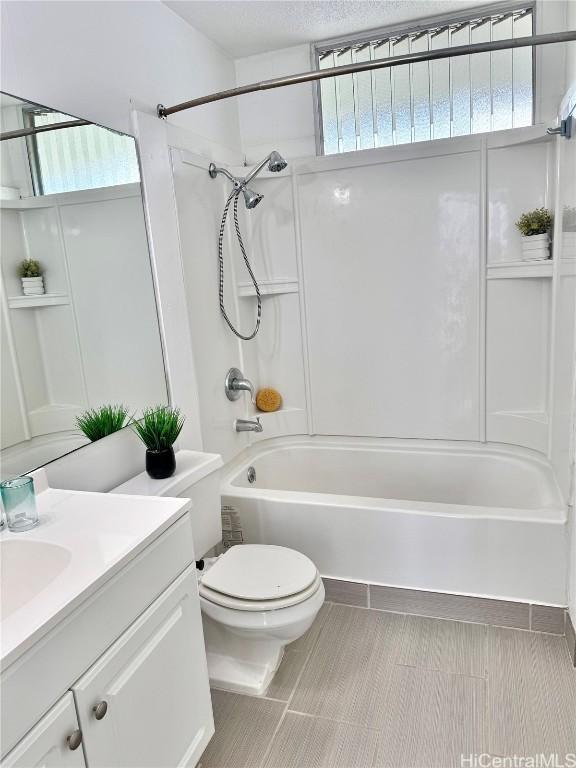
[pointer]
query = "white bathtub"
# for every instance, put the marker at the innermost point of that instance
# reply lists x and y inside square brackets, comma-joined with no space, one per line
[463,518]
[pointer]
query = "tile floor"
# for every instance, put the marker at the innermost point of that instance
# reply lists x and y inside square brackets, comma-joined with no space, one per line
[368,688]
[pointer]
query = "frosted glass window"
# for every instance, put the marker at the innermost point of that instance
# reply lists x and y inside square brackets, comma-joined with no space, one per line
[501,72]
[86,157]
[420,76]
[383,134]
[460,84]
[401,102]
[428,100]
[480,79]
[329,111]
[440,87]
[363,101]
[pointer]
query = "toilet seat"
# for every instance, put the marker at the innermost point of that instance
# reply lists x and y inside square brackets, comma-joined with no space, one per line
[259,605]
[257,577]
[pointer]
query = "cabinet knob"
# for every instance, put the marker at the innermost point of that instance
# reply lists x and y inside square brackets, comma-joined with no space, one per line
[100,710]
[74,740]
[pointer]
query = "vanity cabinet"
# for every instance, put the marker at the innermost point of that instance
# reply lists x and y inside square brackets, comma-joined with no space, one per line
[142,704]
[139,704]
[54,742]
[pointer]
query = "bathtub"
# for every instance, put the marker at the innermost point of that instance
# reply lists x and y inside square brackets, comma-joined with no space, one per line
[463,518]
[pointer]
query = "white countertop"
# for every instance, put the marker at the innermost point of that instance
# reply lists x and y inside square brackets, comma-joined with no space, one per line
[82,540]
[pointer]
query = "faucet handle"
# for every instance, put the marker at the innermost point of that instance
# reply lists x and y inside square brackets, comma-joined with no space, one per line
[235,384]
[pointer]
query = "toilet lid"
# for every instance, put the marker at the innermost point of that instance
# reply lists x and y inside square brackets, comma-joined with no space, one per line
[260,572]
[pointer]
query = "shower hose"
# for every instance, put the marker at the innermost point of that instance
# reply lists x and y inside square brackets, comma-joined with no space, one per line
[234,197]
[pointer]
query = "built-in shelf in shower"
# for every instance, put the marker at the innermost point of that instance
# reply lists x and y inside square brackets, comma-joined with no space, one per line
[43,300]
[519,269]
[269,287]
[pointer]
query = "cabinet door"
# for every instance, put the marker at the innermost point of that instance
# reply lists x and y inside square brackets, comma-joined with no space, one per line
[146,701]
[47,745]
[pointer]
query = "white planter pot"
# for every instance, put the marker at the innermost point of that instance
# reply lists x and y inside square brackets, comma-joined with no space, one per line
[32,286]
[536,247]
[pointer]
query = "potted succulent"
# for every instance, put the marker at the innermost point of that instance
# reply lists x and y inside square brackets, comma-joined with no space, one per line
[158,429]
[534,227]
[30,273]
[97,423]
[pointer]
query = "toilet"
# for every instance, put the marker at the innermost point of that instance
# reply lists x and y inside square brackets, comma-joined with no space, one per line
[255,598]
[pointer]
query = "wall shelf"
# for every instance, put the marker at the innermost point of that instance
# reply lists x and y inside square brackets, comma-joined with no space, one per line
[269,287]
[519,269]
[33,302]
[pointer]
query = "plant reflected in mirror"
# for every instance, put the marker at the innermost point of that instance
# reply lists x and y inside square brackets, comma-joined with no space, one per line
[97,423]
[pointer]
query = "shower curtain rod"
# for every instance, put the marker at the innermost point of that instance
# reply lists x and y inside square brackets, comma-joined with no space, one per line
[393,61]
[42,129]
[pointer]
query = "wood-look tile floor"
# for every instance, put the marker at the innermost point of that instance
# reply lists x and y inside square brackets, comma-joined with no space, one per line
[369,689]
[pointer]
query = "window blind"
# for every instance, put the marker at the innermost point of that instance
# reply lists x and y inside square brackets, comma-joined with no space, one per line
[428,100]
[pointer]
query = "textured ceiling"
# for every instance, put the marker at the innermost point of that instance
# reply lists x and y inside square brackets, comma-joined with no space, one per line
[244,27]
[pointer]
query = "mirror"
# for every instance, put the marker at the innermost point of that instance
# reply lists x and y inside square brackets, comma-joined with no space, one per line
[78,312]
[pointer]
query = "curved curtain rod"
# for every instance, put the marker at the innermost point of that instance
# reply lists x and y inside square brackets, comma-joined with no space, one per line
[394,61]
[42,129]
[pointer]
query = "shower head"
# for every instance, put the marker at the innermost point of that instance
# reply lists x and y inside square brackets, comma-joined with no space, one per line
[276,162]
[251,198]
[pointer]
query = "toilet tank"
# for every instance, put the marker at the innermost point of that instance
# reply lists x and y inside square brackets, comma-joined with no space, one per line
[197,477]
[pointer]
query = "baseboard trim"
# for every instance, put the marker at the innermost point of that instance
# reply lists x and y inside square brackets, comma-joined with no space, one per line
[570,635]
[440,605]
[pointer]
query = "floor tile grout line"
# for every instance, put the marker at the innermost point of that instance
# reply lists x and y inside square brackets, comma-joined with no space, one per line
[441,671]
[287,704]
[449,618]
[335,720]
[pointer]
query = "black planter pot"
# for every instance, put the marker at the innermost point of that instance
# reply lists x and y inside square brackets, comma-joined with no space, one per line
[161,464]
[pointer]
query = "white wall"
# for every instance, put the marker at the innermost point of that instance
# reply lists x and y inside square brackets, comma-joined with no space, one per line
[283,119]
[98,60]
[280,119]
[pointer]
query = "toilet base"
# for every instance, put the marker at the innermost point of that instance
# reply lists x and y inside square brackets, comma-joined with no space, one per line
[241,676]
[239,660]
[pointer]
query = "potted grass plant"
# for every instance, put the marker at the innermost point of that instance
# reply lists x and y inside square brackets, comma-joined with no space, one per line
[534,226]
[30,273]
[97,423]
[158,429]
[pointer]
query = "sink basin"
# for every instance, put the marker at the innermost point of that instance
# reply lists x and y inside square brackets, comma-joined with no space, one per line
[27,568]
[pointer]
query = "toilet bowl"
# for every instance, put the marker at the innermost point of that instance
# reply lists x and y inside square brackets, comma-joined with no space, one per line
[255,600]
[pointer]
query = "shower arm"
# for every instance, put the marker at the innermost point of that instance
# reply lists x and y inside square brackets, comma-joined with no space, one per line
[213,170]
[239,183]
[256,170]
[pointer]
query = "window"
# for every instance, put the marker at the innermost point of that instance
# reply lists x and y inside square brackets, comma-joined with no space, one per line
[431,99]
[78,158]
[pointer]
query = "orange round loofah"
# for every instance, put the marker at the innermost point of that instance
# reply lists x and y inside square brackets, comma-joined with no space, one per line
[268,400]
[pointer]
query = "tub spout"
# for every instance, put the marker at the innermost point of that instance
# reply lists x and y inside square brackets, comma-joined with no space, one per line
[248,425]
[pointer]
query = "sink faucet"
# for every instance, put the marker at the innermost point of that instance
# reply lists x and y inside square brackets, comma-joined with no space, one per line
[248,425]
[235,384]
